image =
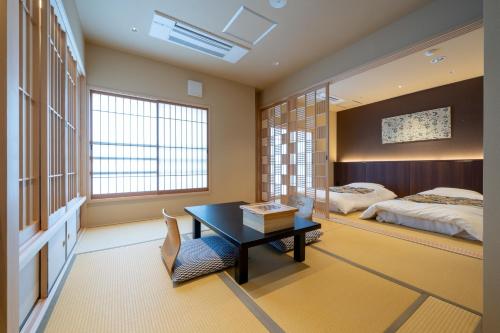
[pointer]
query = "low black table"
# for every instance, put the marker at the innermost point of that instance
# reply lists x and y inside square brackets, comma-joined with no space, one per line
[226,219]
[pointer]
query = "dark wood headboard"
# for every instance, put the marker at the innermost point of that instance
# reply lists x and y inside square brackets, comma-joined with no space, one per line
[410,177]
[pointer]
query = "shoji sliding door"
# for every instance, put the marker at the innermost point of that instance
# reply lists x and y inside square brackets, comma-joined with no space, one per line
[53,124]
[72,104]
[29,122]
[294,149]
[49,199]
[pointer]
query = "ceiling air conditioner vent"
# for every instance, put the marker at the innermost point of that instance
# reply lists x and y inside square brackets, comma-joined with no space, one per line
[336,100]
[172,30]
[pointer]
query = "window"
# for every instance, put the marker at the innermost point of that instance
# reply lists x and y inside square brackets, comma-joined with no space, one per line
[142,146]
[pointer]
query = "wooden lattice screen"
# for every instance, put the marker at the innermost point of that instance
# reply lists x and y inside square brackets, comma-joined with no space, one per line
[29,122]
[53,122]
[294,149]
[273,147]
[71,128]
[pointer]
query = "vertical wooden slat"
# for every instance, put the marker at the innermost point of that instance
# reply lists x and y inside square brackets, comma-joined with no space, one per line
[9,168]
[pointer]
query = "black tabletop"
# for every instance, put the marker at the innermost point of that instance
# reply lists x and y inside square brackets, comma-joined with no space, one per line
[227,220]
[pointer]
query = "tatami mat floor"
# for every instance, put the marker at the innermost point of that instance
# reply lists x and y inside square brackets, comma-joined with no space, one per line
[351,281]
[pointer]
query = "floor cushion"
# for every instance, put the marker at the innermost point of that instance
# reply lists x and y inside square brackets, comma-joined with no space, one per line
[286,244]
[202,256]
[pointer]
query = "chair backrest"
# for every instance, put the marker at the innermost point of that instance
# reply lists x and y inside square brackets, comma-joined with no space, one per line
[303,203]
[172,244]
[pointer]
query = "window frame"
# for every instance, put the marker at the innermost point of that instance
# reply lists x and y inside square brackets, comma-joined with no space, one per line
[143,194]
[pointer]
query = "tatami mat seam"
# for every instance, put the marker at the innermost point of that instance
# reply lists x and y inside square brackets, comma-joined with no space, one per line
[250,304]
[185,236]
[406,314]
[394,280]
[120,246]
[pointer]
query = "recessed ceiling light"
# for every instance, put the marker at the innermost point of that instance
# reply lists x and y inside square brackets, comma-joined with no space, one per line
[276,63]
[277,3]
[430,53]
[400,86]
[437,60]
[133,29]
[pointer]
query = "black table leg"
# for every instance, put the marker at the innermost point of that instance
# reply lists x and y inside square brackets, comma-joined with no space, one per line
[241,268]
[196,229]
[299,247]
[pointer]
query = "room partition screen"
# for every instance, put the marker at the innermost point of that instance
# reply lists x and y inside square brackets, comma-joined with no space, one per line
[294,149]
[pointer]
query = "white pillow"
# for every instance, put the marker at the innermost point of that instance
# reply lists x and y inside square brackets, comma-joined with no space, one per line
[455,192]
[366,185]
[349,202]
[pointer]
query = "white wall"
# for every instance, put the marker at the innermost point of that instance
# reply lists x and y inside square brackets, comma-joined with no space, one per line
[438,17]
[231,131]
[491,319]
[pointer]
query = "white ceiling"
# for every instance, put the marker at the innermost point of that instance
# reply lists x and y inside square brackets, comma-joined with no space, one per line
[464,60]
[307,31]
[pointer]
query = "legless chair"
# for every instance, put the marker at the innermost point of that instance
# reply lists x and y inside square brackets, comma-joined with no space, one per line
[195,257]
[305,206]
[172,243]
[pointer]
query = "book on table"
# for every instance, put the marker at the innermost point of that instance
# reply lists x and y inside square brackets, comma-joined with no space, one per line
[268,217]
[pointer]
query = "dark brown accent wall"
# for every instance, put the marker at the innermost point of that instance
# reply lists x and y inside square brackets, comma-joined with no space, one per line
[410,177]
[359,129]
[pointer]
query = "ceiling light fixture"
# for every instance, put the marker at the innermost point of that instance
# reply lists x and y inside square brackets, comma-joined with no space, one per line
[277,3]
[276,63]
[437,60]
[133,29]
[400,86]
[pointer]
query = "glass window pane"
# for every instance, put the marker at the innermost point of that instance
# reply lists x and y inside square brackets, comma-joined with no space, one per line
[147,146]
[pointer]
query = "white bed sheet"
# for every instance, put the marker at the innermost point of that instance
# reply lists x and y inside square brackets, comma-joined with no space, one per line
[427,225]
[454,220]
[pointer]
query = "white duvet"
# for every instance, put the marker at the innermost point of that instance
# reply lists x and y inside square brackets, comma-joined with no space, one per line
[449,219]
[349,202]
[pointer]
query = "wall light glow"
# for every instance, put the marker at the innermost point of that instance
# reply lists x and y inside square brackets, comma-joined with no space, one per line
[413,158]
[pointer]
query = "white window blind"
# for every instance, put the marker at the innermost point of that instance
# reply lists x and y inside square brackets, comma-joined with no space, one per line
[141,146]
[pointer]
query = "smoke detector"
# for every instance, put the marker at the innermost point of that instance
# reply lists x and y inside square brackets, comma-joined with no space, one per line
[437,60]
[277,3]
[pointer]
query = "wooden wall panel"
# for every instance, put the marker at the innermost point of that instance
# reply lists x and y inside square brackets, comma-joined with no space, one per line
[393,175]
[345,173]
[410,177]
[460,174]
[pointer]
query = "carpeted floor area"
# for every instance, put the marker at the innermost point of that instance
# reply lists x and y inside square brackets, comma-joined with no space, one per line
[352,280]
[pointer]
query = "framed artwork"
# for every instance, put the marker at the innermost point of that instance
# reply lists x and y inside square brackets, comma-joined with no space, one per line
[419,126]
